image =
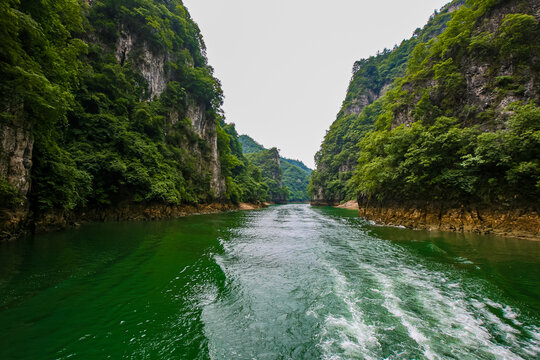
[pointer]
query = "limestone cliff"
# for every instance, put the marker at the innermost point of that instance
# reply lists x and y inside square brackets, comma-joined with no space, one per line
[484,83]
[16,143]
[206,129]
[152,65]
[111,107]
[452,142]
[371,80]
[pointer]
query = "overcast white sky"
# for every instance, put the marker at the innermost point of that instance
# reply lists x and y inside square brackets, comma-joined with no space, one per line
[285,64]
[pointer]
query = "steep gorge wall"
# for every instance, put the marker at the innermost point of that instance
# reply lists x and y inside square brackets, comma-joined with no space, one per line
[372,79]
[152,66]
[127,116]
[269,163]
[206,129]
[453,143]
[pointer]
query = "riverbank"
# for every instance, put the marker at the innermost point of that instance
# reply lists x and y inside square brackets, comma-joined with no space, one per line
[351,205]
[13,228]
[509,222]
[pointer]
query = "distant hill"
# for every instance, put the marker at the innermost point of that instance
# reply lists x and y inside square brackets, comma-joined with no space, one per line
[299,164]
[249,145]
[268,161]
[295,174]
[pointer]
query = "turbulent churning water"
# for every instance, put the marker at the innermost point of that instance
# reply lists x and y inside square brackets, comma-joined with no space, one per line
[288,282]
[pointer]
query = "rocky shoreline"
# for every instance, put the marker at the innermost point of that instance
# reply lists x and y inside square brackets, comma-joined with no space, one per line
[502,221]
[517,222]
[351,205]
[15,226]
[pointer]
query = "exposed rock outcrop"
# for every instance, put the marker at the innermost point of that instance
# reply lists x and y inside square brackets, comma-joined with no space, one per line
[484,87]
[503,221]
[150,64]
[275,174]
[357,105]
[58,220]
[16,144]
[318,199]
[206,129]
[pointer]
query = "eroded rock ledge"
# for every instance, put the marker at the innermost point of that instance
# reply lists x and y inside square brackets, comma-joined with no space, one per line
[504,221]
[318,202]
[60,220]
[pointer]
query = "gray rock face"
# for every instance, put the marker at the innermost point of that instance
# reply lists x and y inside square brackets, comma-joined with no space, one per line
[278,176]
[320,200]
[16,144]
[207,130]
[124,45]
[362,101]
[195,113]
[480,94]
[152,69]
[150,65]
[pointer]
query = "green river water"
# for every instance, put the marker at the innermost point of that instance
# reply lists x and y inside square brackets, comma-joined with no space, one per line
[287,282]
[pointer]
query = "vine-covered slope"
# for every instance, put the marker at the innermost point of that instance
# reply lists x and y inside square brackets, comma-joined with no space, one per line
[459,123]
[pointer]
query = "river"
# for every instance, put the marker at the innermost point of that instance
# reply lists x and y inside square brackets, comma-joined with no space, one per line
[286,282]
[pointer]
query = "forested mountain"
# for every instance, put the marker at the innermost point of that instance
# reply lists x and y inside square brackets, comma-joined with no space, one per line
[295,179]
[475,81]
[249,145]
[111,102]
[449,116]
[268,162]
[371,80]
[295,175]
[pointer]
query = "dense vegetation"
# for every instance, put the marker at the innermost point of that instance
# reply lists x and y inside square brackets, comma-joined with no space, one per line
[459,123]
[295,179]
[268,163]
[337,158]
[101,134]
[294,174]
[249,145]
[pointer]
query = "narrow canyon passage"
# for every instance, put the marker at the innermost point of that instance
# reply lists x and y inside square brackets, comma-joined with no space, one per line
[287,282]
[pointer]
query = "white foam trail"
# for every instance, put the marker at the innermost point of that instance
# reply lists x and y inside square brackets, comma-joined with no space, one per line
[374,298]
[392,304]
[356,339]
[446,310]
[533,348]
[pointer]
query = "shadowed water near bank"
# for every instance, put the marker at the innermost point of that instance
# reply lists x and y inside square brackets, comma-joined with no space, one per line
[287,282]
